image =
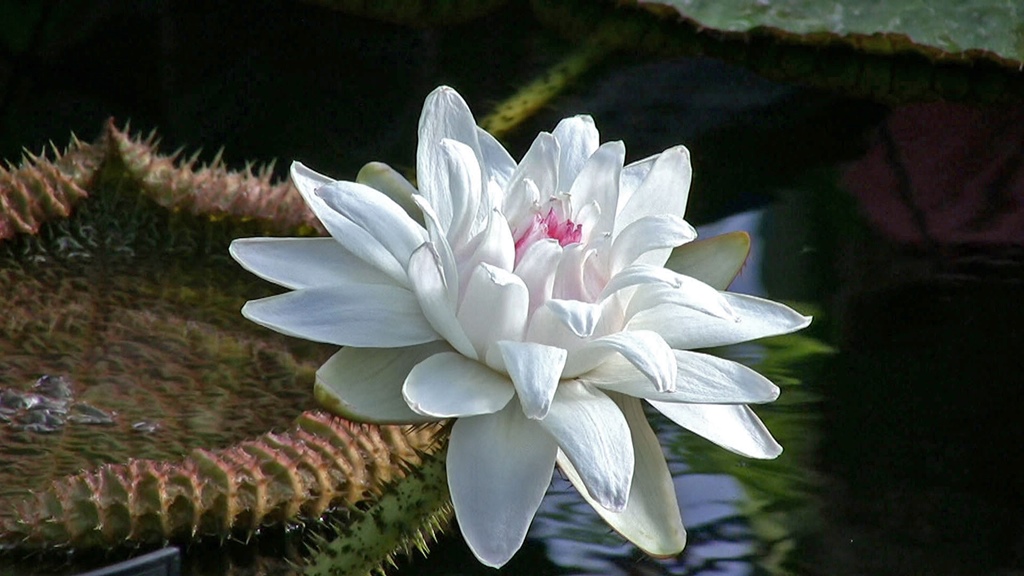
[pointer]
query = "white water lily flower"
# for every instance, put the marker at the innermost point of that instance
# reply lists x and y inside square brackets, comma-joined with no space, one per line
[531,302]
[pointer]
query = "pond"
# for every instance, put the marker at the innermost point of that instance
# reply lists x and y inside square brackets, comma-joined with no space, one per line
[899,228]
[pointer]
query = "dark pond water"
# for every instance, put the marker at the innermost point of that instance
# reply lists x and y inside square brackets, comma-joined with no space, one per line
[902,230]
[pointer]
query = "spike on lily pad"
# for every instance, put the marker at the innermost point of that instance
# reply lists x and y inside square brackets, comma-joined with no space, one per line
[321,463]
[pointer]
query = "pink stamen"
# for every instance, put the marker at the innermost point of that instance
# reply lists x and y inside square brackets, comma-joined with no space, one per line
[549,226]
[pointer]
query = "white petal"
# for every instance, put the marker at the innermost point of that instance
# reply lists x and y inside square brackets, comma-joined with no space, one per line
[685,328]
[598,181]
[539,165]
[497,162]
[657,286]
[364,315]
[303,262]
[380,176]
[378,215]
[548,327]
[520,204]
[579,317]
[714,261]
[494,307]
[536,267]
[493,245]
[632,176]
[499,467]
[649,240]
[442,249]
[646,351]
[445,115]
[577,139]
[347,233]
[570,283]
[664,190]
[365,384]
[461,178]
[734,427]
[535,370]
[651,519]
[700,379]
[592,432]
[450,385]
[431,288]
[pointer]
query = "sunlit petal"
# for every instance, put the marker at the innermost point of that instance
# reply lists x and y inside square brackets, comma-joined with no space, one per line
[734,427]
[449,385]
[535,370]
[304,262]
[499,467]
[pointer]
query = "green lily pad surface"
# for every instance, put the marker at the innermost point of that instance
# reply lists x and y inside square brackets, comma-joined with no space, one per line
[973,30]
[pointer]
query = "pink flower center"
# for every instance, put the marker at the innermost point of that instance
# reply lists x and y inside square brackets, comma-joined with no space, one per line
[549,226]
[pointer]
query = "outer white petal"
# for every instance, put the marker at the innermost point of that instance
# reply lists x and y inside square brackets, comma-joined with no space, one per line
[651,518]
[646,351]
[734,427]
[535,370]
[714,261]
[493,308]
[445,115]
[363,315]
[578,139]
[657,286]
[347,233]
[649,240]
[664,189]
[365,384]
[380,176]
[499,467]
[442,248]
[433,293]
[685,328]
[598,182]
[304,262]
[450,385]
[592,432]
[376,214]
[700,379]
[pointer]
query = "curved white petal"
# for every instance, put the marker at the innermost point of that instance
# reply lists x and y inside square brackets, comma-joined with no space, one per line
[657,286]
[380,176]
[598,182]
[363,315]
[347,233]
[378,215]
[664,190]
[499,467]
[442,250]
[464,191]
[714,261]
[649,240]
[493,308]
[686,328]
[536,268]
[700,379]
[633,175]
[592,432]
[365,384]
[651,519]
[495,159]
[448,385]
[540,166]
[430,286]
[445,116]
[535,370]
[734,427]
[646,351]
[577,139]
[304,262]
[581,318]
[493,245]
[547,327]
[569,283]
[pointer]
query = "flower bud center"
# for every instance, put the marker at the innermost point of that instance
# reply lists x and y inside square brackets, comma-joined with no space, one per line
[548,226]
